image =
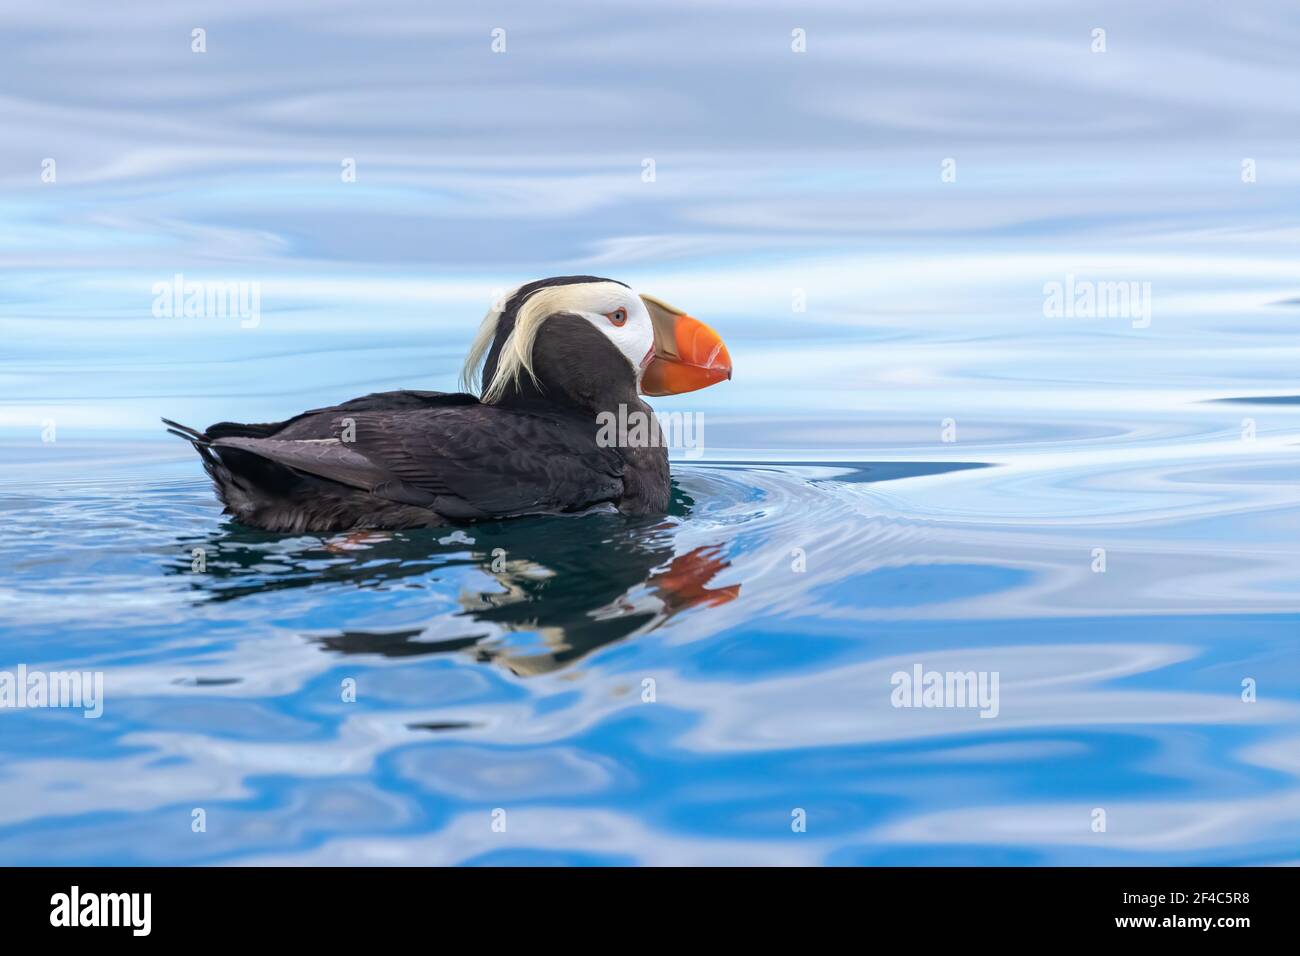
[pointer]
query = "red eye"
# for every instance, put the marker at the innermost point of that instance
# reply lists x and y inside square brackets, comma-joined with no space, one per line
[617,317]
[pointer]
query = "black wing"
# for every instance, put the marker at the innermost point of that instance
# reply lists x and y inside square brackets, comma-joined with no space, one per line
[461,459]
[316,422]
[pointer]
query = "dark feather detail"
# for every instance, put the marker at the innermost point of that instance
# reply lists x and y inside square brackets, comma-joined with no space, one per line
[405,459]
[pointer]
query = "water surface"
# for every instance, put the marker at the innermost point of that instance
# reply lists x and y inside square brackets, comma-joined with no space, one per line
[914,465]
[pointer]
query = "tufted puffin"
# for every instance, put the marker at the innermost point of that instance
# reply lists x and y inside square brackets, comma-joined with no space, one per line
[546,365]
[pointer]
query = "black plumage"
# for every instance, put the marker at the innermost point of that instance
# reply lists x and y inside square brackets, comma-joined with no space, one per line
[416,459]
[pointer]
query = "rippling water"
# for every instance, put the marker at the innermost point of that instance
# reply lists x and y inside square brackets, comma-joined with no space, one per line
[504,666]
[914,466]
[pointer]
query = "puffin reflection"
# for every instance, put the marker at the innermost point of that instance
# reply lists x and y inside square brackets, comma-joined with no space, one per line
[576,609]
[572,585]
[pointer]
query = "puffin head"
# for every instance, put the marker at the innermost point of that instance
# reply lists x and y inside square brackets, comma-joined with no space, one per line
[591,341]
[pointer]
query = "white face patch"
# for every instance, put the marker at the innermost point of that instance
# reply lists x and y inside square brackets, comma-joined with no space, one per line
[593,301]
[635,337]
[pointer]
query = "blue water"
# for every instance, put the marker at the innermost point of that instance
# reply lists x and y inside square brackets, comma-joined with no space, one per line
[914,464]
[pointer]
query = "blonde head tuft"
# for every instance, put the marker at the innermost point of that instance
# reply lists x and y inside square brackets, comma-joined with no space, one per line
[516,358]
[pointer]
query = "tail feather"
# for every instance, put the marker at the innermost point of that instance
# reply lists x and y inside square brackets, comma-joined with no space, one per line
[244,481]
[184,431]
[263,493]
[203,445]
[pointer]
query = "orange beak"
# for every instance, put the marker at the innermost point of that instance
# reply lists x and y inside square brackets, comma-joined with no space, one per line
[687,354]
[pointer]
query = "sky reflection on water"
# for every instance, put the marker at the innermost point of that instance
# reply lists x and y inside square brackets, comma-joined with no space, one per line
[1172,445]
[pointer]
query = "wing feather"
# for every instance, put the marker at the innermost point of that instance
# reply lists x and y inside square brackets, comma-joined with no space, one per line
[462,460]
